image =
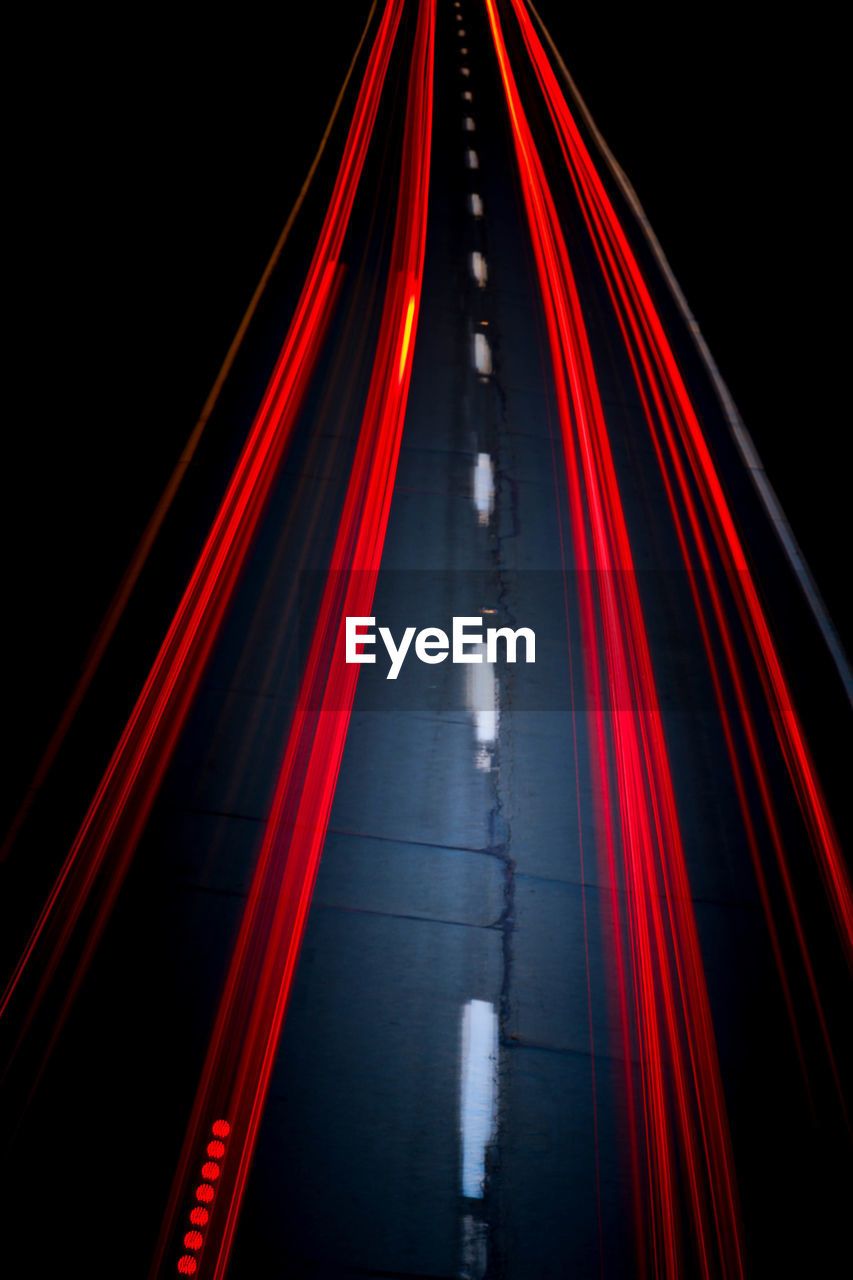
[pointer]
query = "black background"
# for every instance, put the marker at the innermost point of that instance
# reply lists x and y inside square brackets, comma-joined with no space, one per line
[152,160]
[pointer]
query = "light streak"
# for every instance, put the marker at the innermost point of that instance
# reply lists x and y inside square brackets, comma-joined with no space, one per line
[245,1037]
[672,421]
[113,616]
[669,994]
[106,841]
[407,334]
[648,333]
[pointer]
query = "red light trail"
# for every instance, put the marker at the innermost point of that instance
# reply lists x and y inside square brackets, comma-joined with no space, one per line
[104,846]
[125,589]
[676,414]
[678,1050]
[687,1216]
[671,419]
[670,1000]
[245,1037]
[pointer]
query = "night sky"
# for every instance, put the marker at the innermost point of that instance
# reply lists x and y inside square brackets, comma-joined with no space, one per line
[153,162]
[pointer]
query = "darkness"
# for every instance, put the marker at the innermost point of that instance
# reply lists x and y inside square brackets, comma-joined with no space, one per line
[154,162]
[730,131]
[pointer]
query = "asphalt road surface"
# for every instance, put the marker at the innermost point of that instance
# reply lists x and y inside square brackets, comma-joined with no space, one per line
[462,1083]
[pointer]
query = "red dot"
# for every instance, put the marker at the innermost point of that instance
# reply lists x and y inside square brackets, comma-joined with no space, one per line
[210,1171]
[204,1193]
[193,1240]
[199,1217]
[187,1266]
[221,1129]
[216,1149]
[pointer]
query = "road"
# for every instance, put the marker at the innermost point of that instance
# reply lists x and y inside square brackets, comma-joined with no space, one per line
[493,970]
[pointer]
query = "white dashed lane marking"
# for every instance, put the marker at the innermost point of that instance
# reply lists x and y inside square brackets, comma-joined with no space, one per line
[482,355]
[479,270]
